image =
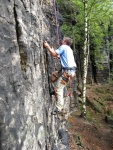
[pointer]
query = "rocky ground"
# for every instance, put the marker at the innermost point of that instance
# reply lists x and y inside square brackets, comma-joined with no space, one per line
[94,132]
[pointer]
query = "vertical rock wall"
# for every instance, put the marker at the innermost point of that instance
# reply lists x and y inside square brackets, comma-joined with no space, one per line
[25,103]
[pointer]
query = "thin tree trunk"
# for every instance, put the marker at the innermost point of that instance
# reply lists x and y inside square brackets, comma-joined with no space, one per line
[85,64]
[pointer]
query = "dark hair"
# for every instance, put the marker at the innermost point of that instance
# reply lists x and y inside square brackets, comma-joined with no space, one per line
[68,41]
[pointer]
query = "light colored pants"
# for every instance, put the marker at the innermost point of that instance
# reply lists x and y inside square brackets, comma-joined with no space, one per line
[59,87]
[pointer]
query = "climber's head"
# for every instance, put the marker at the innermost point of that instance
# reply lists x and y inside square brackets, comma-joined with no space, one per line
[67,41]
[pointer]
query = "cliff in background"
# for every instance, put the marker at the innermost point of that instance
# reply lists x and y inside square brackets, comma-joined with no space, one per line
[26,122]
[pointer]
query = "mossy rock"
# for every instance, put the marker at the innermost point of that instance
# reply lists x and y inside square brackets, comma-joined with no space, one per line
[109,119]
[97,106]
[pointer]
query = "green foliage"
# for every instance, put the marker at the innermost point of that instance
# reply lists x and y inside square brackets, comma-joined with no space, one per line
[100,24]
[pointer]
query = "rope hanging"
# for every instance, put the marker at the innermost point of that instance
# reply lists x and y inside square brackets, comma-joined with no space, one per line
[57,25]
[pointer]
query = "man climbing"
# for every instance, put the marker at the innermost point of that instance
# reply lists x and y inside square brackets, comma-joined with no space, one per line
[68,69]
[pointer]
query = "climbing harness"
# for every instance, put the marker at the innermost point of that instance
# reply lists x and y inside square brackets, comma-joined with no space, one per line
[57,25]
[70,78]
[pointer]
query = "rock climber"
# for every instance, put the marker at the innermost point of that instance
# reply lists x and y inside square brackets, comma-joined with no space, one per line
[65,53]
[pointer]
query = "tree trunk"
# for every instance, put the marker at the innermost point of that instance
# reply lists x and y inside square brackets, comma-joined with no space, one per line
[85,64]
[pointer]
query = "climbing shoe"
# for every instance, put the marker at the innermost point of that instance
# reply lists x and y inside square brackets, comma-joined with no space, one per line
[56,111]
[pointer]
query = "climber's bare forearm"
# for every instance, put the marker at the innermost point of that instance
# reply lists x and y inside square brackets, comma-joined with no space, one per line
[51,50]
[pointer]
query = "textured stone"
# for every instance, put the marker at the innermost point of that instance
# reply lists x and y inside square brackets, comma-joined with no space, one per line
[25,68]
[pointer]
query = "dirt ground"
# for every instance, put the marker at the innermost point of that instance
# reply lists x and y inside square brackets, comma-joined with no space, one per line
[92,132]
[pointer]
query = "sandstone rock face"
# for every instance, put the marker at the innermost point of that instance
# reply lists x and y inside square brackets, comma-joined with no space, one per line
[25,103]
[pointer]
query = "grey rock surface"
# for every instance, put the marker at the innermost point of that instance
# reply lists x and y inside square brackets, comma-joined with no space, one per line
[26,122]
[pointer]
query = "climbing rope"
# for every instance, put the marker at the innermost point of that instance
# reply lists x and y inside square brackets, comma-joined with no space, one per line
[57,25]
[57,32]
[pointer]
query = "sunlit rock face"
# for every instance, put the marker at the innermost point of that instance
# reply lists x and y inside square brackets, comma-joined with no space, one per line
[26,122]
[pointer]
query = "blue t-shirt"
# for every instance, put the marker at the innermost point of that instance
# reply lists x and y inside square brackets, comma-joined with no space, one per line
[66,56]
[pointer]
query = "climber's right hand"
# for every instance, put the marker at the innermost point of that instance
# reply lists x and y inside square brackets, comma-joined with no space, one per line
[46,45]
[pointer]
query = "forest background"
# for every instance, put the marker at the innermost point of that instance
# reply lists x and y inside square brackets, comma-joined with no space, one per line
[90,25]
